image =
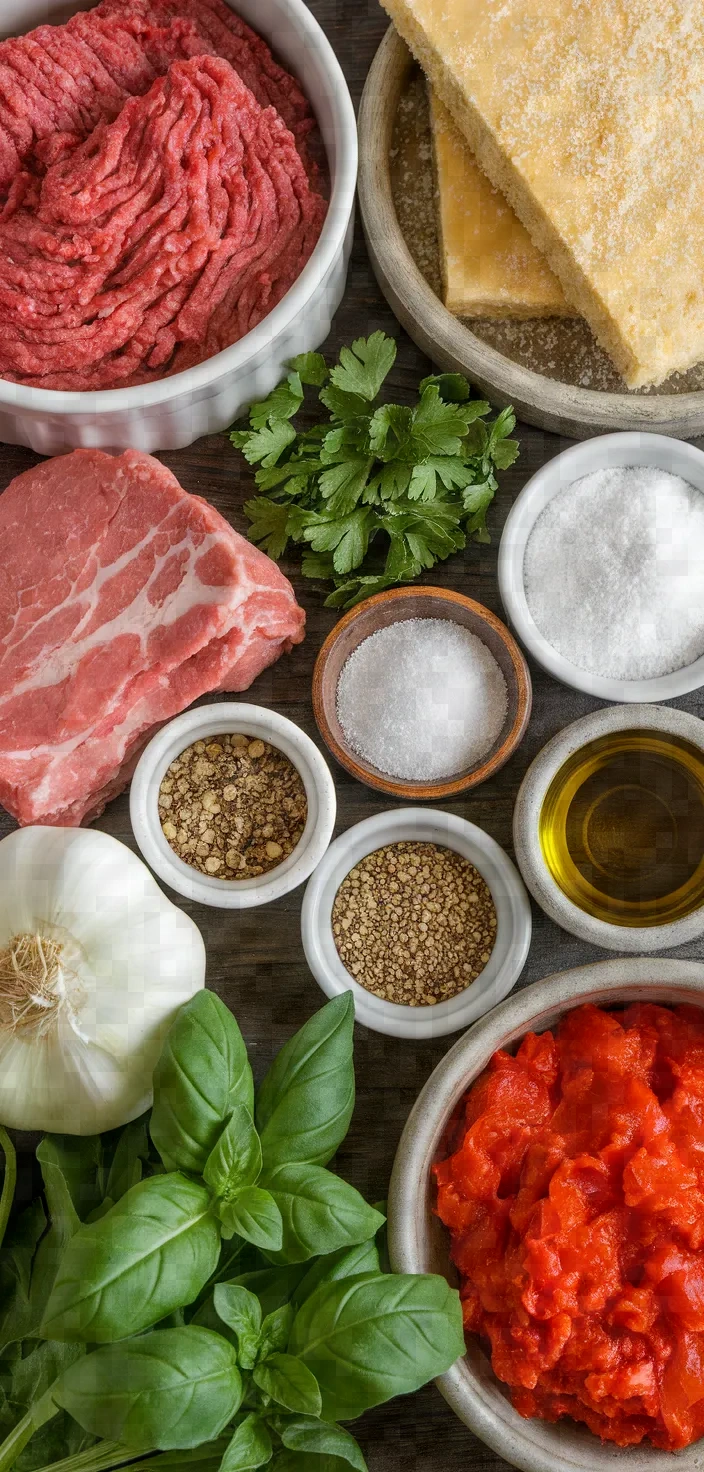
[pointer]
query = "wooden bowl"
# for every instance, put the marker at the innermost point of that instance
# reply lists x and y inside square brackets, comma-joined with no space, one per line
[393,607]
[447,340]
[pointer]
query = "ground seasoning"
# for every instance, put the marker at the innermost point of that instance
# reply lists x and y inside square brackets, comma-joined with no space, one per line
[414,923]
[232,807]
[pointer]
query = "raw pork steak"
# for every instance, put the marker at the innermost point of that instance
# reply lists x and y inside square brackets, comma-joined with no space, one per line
[122,599]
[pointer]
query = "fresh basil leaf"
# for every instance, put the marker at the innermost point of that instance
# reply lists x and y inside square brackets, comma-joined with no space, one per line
[174,1388]
[320,1213]
[311,368]
[368,1339]
[289,1461]
[349,1262]
[151,1254]
[206,1458]
[289,1382]
[256,1216]
[203,1072]
[129,1158]
[72,1164]
[64,1222]
[305,1103]
[59,1193]
[275,1331]
[19,1246]
[236,1160]
[320,1438]
[241,1311]
[250,1447]
[34,1372]
[273,1286]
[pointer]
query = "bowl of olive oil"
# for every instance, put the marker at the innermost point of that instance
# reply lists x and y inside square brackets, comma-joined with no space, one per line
[609,828]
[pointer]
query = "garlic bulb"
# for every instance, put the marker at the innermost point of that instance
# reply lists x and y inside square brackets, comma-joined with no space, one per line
[94,961]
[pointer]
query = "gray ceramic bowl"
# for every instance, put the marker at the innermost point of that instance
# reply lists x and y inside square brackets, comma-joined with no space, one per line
[419,1244]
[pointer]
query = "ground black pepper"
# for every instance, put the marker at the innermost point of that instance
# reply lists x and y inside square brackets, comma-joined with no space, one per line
[414,923]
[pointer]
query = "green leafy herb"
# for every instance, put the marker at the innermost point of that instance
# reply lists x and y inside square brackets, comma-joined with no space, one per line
[349,1262]
[305,1103]
[290,1383]
[9,1181]
[173,1388]
[367,1339]
[380,491]
[320,1438]
[255,1347]
[236,1159]
[320,1213]
[203,1072]
[250,1447]
[255,1215]
[123,1273]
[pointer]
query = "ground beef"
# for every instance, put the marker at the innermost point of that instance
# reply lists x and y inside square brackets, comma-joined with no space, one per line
[58,82]
[156,208]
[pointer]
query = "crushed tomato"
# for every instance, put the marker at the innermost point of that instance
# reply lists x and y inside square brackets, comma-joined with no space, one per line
[574,1196]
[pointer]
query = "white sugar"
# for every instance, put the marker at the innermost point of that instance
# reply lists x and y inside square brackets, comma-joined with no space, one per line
[614,573]
[422,699]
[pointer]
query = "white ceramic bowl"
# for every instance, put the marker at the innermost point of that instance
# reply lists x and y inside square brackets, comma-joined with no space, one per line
[606,452]
[204,400]
[419,1244]
[202,724]
[512,908]
[526,834]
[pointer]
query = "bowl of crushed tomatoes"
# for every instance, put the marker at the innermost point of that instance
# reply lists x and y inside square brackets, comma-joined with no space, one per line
[553,1169]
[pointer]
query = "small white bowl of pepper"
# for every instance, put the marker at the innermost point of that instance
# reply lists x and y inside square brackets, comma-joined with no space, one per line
[422,916]
[232,805]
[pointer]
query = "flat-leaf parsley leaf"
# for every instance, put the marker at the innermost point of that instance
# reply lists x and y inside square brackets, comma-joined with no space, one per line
[377,492]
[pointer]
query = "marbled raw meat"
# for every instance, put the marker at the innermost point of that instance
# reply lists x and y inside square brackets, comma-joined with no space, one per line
[122,600]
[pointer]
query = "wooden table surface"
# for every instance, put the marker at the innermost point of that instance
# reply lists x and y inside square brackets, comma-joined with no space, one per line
[256,962]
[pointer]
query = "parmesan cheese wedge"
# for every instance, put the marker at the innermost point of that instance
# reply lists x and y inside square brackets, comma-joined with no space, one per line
[490,267]
[588,115]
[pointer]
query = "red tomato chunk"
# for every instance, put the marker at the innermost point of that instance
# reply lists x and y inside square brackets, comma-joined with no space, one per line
[575,1204]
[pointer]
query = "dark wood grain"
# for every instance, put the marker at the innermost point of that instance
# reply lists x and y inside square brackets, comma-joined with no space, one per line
[255,960]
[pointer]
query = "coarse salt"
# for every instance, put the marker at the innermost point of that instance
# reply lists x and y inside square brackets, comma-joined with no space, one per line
[614,573]
[422,699]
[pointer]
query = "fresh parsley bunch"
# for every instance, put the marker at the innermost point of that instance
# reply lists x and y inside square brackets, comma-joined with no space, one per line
[379,491]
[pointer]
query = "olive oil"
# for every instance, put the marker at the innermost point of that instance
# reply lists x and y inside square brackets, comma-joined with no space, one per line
[622,828]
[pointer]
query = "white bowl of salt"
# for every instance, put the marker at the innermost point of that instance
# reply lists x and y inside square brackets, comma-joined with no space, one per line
[601,567]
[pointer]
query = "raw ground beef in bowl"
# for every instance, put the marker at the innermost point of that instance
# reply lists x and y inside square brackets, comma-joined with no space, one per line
[161,191]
